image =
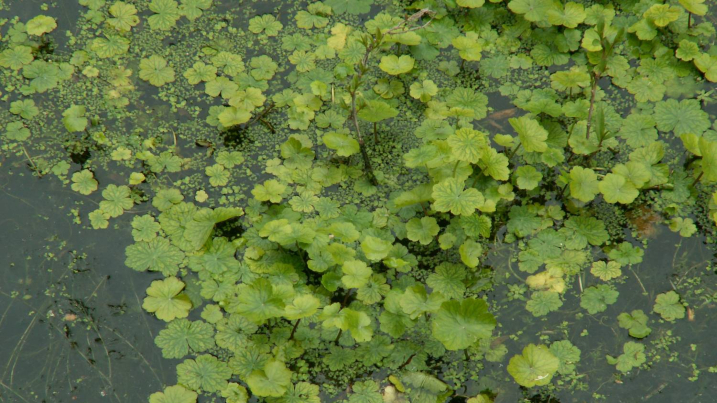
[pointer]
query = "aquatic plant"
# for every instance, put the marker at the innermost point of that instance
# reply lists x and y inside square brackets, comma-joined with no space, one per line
[288,270]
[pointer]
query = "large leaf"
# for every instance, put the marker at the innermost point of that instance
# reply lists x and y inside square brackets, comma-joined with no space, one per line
[583,184]
[258,302]
[273,380]
[344,145]
[356,274]
[181,335]
[535,367]
[205,372]
[616,189]
[450,195]
[531,134]
[376,111]
[200,228]
[459,325]
[164,300]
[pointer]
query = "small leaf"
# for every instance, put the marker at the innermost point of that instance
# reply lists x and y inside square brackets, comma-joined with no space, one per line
[635,322]
[155,70]
[633,356]
[395,65]
[459,325]
[84,182]
[596,299]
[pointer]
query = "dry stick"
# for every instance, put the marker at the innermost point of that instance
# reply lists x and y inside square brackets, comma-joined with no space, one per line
[30,159]
[137,351]
[638,280]
[14,392]
[91,362]
[19,345]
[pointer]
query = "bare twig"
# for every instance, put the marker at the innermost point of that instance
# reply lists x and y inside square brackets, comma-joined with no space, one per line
[29,158]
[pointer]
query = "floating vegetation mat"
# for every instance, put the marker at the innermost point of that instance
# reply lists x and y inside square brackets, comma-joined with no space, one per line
[358,201]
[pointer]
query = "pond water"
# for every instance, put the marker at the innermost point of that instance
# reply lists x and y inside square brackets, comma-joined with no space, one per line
[72,327]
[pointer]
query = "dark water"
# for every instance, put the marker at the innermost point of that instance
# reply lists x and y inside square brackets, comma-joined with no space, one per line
[71,325]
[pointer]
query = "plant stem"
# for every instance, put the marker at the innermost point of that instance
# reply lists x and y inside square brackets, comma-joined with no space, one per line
[596,77]
[512,153]
[562,191]
[455,167]
[346,298]
[697,179]
[336,341]
[407,361]
[362,146]
[570,133]
[689,20]
[425,212]
[291,337]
